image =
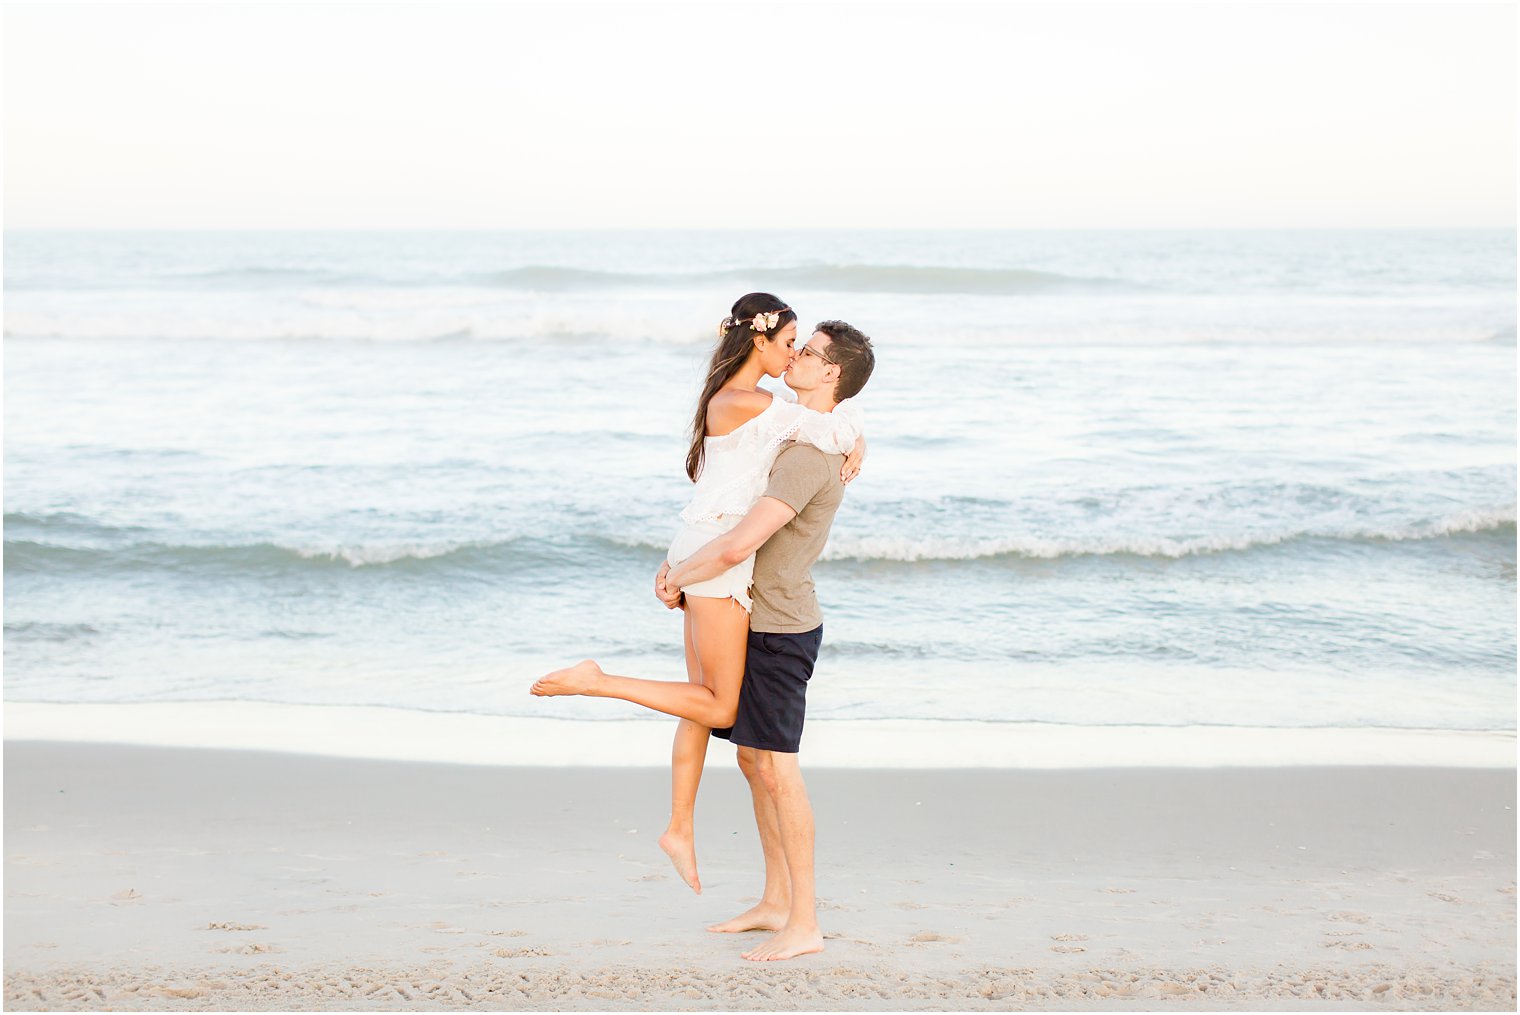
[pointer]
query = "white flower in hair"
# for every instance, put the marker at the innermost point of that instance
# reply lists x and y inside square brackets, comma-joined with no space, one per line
[765,322]
[724,325]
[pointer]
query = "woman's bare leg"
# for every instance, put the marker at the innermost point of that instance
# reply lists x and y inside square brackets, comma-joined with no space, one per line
[717,640]
[720,634]
[687,756]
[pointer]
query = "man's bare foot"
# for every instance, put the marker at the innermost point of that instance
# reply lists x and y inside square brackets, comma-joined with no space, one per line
[682,853]
[788,944]
[762,917]
[577,679]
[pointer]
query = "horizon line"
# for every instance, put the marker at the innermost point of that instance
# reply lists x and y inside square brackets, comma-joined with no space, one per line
[1511,227]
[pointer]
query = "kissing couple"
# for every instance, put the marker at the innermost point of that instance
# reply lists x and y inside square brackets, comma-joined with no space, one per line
[770,473]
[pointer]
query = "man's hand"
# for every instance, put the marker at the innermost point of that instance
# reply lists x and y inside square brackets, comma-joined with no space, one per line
[852,462]
[672,598]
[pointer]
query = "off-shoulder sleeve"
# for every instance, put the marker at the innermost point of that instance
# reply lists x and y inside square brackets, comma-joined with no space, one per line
[834,432]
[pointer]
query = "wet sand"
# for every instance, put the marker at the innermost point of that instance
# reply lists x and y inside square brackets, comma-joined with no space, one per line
[175,878]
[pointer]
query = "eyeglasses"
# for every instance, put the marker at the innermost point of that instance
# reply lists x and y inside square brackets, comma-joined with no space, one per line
[808,350]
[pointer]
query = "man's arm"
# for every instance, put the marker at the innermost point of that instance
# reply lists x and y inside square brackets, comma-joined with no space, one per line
[764,520]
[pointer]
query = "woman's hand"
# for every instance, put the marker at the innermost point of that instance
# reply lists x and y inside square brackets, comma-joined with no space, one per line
[672,598]
[852,462]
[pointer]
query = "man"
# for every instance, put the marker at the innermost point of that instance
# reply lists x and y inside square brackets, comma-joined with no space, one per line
[786,530]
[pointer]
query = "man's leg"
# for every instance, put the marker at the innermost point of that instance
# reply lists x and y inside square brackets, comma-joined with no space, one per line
[781,775]
[775,902]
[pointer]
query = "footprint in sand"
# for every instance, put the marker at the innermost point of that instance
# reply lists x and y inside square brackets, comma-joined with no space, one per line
[1355,946]
[1120,891]
[508,933]
[1068,937]
[125,895]
[229,925]
[1342,933]
[1067,949]
[249,949]
[649,877]
[929,935]
[522,953]
[1349,916]
[1444,897]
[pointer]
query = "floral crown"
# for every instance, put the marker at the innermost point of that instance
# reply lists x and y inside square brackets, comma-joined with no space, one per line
[760,322]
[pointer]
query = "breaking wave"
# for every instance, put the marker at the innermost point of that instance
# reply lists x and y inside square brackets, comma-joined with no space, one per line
[109,548]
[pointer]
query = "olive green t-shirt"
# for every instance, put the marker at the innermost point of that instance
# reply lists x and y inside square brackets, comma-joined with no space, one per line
[807,481]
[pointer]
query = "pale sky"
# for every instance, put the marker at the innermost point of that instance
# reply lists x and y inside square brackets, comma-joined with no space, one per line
[728,115]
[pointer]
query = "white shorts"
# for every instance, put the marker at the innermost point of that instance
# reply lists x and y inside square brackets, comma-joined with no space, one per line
[733,583]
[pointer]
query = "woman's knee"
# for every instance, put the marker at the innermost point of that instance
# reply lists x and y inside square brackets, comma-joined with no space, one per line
[724,714]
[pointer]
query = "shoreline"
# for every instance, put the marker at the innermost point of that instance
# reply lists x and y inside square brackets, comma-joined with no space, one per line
[382,733]
[173,878]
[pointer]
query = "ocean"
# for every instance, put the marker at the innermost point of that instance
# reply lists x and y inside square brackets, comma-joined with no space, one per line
[1162,478]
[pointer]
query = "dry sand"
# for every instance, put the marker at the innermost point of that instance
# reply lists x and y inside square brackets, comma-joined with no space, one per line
[168,878]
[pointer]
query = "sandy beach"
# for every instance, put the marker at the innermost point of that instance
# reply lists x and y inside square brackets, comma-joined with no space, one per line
[173,878]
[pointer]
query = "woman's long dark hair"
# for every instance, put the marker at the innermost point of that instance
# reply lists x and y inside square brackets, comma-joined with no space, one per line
[737,339]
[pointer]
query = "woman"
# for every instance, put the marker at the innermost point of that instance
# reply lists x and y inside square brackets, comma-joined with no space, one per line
[737,432]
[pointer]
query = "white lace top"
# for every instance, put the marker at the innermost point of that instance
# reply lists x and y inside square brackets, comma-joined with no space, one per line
[737,465]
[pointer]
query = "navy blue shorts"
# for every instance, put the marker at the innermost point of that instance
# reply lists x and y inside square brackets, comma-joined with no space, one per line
[773,698]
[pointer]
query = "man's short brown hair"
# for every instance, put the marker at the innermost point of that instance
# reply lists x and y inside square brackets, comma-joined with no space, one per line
[851,350]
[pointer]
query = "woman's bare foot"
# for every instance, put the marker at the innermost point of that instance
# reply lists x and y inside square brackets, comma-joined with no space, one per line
[763,916]
[788,944]
[578,679]
[683,853]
